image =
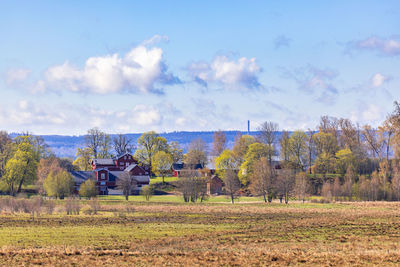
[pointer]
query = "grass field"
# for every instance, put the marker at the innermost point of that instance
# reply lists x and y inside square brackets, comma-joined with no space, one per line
[206,234]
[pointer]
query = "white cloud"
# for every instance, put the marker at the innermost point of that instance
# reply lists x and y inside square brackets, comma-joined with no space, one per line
[371,114]
[16,75]
[235,75]
[140,70]
[145,115]
[386,46]
[378,80]
[156,39]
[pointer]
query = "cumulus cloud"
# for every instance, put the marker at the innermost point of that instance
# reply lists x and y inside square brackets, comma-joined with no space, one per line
[14,76]
[142,69]
[385,46]
[379,79]
[232,75]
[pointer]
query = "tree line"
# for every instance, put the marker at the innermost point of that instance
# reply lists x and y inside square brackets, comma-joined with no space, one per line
[338,160]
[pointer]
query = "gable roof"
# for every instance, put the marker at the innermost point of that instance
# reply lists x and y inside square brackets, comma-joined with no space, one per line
[130,167]
[81,176]
[103,161]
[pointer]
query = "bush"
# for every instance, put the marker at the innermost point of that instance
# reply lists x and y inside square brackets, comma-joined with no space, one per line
[88,189]
[50,206]
[72,206]
[147,192]
[94,205]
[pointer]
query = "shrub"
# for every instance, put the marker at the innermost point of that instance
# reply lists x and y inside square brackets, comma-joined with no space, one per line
[94,205]
[72,206]
[88,189]
[50,206]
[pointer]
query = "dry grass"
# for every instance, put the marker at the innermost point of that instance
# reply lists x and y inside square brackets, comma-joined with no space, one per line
[356,234]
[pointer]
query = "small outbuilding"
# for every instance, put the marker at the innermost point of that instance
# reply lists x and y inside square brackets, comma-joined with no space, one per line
[214,185]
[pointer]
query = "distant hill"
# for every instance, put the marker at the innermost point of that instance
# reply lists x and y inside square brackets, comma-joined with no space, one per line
[65,146]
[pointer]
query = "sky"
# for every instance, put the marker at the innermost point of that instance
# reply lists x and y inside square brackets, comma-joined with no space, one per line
[130,66]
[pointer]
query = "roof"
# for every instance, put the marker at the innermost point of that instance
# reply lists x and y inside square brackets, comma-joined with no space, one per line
[138,178]
[216,178]
[181,166]
[177,166]
[81,176]
[130,167]
[103,161]
[124,154]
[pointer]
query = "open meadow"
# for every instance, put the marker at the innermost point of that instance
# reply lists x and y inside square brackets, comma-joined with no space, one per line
[214,233]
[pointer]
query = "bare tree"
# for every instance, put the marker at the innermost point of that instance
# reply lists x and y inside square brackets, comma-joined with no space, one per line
[310,149]
[285,183]
[122,144]
[372,140]
[127,183]
[268,132]
[396,182]
[192,186]
[261,179]
[302,185]
[219,143]
[232,184]
[98,142]
[197,153]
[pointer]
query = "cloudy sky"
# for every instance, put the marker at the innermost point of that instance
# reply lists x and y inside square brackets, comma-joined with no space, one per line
[126,66]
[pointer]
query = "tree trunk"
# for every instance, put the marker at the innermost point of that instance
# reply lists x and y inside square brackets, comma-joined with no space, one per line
[126,197]
[163,180]
[232,198]
[265,199]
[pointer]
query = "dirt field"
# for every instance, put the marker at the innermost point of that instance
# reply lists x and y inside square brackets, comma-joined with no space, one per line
[207,234]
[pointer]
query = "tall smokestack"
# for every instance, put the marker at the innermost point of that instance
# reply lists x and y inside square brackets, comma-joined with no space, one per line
[248,126]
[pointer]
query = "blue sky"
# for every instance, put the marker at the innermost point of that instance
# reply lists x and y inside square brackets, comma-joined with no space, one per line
[127,66]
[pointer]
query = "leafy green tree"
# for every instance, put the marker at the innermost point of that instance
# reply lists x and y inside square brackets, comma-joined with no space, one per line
[21,168]
[82,159]
[225,161]
[176,151]
[241,145]
[325,143]
[324,163]
[298,149]
[88,189]
[162,164]
[254,153]
[59,184]
[344,159]
[7,149]
[148,145]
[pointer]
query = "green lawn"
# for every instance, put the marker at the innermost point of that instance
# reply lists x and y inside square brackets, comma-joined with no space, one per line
[157,180]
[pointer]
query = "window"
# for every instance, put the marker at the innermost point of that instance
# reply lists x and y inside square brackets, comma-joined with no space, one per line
[103,176]
[127,164]
[124,157]
[102,183]
[121,163]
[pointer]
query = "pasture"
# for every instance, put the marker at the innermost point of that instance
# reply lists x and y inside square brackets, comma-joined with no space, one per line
[212,233]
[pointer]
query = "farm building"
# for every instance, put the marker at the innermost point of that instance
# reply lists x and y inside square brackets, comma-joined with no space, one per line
[214,185]
[107,171]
